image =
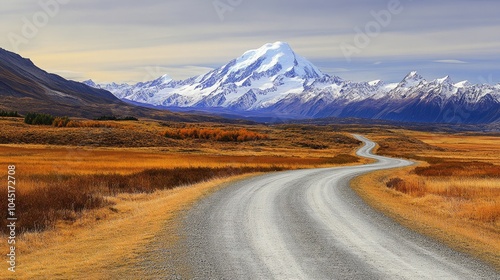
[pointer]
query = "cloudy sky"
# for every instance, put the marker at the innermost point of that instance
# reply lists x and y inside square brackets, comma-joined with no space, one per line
[360,40]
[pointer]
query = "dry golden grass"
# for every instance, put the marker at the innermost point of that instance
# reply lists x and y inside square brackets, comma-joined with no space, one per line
[453,195]
[91,249]
[54,198]
[103,241]
[36,159]
[282,141]
[219,135]
[74,175]
[462,147]
[464,198]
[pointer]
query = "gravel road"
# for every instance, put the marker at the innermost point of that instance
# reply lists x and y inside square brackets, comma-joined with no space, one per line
[308,224]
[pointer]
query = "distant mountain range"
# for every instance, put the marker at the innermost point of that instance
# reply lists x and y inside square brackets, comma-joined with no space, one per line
[26,88]
[271,82]
[275,81]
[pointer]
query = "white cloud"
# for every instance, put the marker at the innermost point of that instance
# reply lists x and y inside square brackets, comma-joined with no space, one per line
[450,61]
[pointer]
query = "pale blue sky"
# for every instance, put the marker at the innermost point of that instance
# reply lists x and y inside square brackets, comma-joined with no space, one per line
[130,41]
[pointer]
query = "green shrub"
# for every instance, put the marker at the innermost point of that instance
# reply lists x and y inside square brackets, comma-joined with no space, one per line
[39,119]
[129,118]
[115,118]
[11,114]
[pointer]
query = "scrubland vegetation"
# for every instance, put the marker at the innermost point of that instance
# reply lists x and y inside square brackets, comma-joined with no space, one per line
[76,174]
[84,184]
[10,114]
[45,199]
[241,135]
[46,119]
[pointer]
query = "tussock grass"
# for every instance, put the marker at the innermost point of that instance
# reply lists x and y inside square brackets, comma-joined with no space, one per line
[88,189]
[454,193]
[111,240]
[240,135]
[457,168]
[51,198]
[468,198]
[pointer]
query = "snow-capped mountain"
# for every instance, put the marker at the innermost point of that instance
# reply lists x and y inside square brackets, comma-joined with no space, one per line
[441,100]
[275,80]
[255,80]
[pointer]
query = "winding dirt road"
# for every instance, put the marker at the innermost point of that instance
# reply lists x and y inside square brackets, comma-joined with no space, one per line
[309,224]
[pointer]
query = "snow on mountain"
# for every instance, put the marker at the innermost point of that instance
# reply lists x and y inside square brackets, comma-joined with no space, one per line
[445,80]
[274,79]
[462,84]
[413,79]
[255,80]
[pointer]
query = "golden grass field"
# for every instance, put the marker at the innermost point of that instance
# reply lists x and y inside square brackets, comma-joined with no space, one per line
[462,210]
[75,164]
[453,195]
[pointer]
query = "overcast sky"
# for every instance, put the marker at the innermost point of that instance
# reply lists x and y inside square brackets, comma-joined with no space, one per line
[360,40]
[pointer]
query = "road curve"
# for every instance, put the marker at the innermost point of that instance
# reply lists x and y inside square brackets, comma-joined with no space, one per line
[309,224]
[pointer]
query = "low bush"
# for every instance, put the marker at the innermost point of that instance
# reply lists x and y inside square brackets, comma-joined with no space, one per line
[39,119]
[61,122]
[11,114]
[241,135]
[312,145]
[95,124]
[115,118]
[343,159]
[407,187]
[106,118]
[458,168]
[67,122]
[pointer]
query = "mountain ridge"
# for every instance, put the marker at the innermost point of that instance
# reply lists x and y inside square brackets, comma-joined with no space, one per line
[25,88]
[273,79]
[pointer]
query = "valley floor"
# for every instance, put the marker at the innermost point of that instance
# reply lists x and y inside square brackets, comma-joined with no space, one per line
[91,240]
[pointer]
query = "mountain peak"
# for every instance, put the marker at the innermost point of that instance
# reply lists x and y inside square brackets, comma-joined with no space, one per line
[278,45]
[413,75]
[445,80]
[272,60]
[165,79]
[411,80]
[90,83]
[269,51]
[376,83]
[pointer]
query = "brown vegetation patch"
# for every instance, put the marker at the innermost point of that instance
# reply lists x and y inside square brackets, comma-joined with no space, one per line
[85,133]
[475,199]
[54,197]
[404,143]
[342,159]
[458,168]
[215,134]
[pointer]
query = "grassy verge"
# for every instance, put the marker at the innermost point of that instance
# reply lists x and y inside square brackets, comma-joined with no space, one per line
[436,216]
[52,198]
[110,240]
[453,195]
